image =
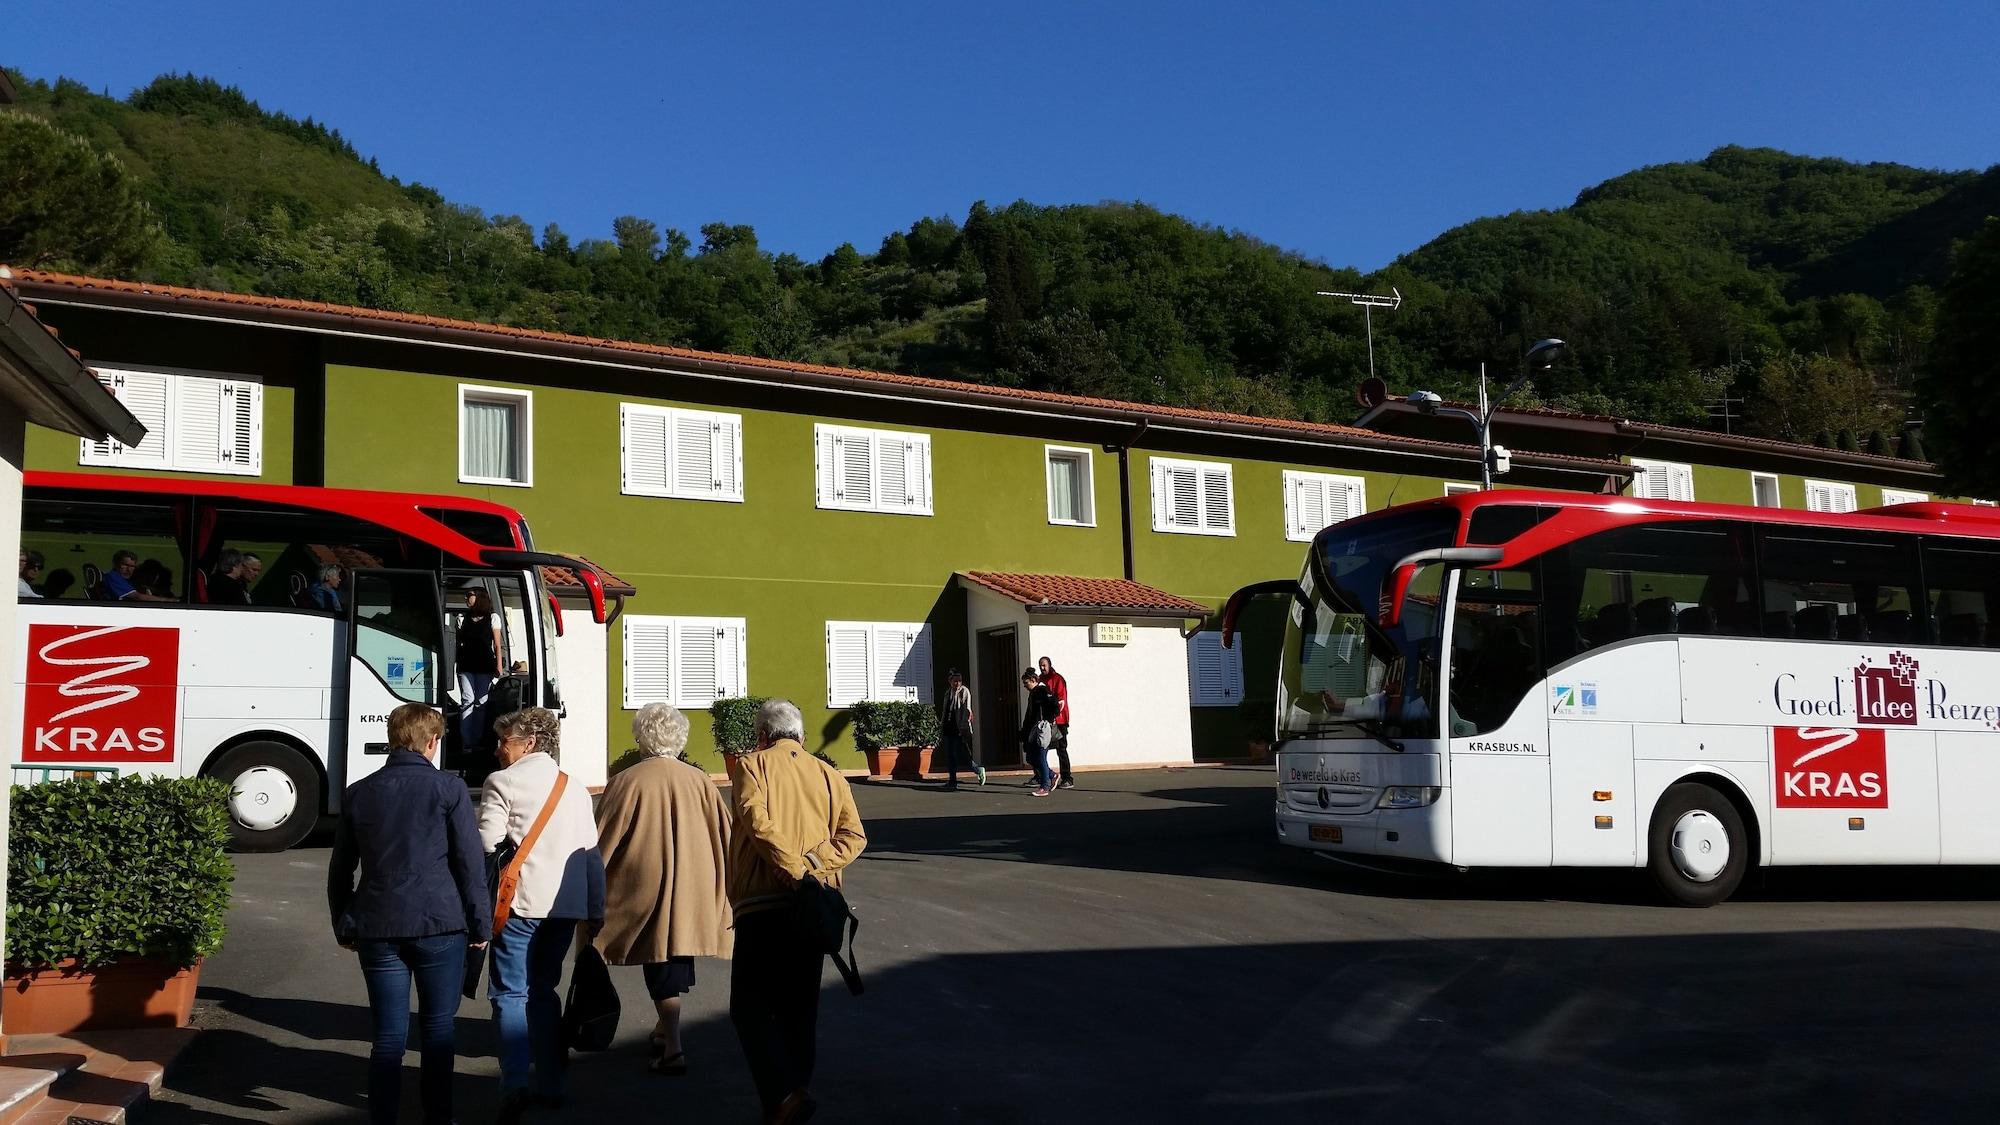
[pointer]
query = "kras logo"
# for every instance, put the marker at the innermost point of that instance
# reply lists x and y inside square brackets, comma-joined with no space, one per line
[1831,768]
[99,695]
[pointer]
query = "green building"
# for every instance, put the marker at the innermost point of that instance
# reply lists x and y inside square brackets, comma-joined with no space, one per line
[833,535]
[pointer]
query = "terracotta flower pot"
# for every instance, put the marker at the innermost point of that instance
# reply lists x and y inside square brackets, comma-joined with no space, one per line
[131,992]
[906,763]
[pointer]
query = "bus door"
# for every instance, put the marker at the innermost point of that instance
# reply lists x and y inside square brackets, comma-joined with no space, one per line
[522,679]
[1498,729]
[396,655]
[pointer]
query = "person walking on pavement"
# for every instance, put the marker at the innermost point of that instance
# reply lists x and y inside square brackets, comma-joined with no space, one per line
[955,729]
[663,828]
[561,884]
[1038,729]
[794,816]
[1059,688]
[422,895]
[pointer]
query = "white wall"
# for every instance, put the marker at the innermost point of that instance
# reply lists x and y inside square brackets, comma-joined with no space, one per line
[583,653]
[1128,703]
[13,437]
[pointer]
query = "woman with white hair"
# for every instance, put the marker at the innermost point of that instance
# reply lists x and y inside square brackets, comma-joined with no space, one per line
[664,829]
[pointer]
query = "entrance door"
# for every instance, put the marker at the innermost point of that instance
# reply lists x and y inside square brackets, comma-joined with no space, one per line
[999,702]
[396,642]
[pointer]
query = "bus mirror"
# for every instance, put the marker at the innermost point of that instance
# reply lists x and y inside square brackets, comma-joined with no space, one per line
[555,614]
[1396,584]
[595,587]
[1232,609]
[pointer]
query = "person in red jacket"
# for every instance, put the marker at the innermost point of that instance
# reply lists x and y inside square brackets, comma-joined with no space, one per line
[1059,688]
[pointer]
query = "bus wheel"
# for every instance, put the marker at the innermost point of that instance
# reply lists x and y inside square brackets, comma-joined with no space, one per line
[1697,850]
[274,797]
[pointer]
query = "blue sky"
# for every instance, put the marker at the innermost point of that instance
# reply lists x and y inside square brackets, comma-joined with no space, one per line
[1351,132]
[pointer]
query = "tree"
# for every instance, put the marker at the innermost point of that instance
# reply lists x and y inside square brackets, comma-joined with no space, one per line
[1960,391]
[64,204]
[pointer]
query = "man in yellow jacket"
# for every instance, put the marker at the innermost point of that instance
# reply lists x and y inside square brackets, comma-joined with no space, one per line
[794,815]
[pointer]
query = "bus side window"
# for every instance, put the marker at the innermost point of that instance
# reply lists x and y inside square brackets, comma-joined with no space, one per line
[82,541]
[1688,579]
[1962,581]
[398,631]
[1840,586]
[291,546]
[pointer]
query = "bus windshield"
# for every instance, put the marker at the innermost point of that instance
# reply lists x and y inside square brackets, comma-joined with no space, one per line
[1342,674]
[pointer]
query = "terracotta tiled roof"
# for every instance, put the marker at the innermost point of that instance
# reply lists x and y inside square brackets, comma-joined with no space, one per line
[564,579]
[280,306]
[1062,591]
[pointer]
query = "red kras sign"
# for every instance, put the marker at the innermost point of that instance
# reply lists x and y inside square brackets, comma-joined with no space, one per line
[1831,768]
[100,695]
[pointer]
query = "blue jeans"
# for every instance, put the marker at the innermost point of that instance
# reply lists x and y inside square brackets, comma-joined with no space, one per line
[473,721]
[527,965]
[1038,757]
[438,966]
[957,750]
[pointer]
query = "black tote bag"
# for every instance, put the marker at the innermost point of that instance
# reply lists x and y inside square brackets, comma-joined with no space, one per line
[590,1017]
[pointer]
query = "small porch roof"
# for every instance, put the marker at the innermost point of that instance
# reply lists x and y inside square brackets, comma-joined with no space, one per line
[1062,593]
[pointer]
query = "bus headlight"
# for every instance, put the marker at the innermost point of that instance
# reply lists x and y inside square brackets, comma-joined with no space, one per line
[1408,796]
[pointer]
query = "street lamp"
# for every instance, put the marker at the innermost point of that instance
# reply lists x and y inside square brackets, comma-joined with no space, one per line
[1541,357]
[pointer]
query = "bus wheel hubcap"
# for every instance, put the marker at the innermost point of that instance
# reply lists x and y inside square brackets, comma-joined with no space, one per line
[263,798]
[1700,846]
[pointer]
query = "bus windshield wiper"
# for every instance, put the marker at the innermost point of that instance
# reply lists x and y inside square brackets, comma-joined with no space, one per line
[1374,729]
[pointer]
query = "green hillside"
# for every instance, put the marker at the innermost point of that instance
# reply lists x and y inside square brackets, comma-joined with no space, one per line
[1804,286]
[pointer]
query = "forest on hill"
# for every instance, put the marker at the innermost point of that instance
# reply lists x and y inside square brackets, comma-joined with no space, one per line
[1808,289]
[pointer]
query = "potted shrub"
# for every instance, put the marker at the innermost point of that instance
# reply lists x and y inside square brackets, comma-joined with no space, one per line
[733,722]
[116,891]
[896,737]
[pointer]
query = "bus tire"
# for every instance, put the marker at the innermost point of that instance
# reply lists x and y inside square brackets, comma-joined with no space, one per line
[1697,848]
[274,795]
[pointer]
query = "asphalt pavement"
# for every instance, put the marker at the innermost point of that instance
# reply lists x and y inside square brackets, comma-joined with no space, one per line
[1141,949]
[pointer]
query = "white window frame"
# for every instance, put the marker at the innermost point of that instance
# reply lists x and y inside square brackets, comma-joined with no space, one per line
[825,438]
[1833,488]
[1201,693]
[1355,487]
[1205,472]
[1986,503]
[1086,481]
[889,645]
[1903,496]
[524,435]
[1679,476]
[1453,488]
[166,429]
[670,418]
[1777,490]
[729,681]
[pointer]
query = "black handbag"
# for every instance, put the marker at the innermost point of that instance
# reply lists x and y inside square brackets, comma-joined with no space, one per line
[822,913]
[590,1016]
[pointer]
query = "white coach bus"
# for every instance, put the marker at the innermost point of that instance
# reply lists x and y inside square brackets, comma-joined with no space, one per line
[260,634]
[1522,679]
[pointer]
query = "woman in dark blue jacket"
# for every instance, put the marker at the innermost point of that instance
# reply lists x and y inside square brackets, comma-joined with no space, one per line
[422,897]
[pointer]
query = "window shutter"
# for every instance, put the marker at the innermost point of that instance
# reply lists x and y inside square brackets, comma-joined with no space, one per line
[729,457]
[917,665]
[198,414]
[1183,494]
[648,645]
[826,475]
[918,452]
[731,659]
[1680,482]
[892,458]
[902,664]
[1215,674]
[1217,508]
[1305,506]
[847,671]
[1345,500]
[147,395]
[643,445]
[854,482]
[697,645]
[243,405]
[694,456]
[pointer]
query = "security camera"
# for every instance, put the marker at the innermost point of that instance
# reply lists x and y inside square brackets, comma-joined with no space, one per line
[1501,459]
[1426,402]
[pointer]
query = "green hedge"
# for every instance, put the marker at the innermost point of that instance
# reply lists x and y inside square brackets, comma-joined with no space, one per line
[134,866]
[902,723]
[733,723]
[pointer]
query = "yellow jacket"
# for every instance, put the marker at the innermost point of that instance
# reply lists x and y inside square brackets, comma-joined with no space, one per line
[793,814]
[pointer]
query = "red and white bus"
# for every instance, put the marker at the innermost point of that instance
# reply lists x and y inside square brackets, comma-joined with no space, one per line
[1523,679]
[141,654]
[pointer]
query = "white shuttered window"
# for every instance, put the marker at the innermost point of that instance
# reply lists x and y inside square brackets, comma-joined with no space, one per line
[1825,496]
[689,662]
[1315,501]
[1662,480]
[877,661]
[683,454]
[1193,497]
[1215,674]
[1898,496]
[194,423]
[857,470]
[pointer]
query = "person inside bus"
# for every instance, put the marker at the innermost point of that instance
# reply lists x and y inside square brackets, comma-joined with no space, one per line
[478,664]
[252,567]
[117,584]
[153,577]
[1376,705]
[225,582]
[325,593]
[31,568]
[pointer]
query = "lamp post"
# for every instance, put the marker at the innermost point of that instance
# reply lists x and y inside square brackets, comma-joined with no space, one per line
[1541,357]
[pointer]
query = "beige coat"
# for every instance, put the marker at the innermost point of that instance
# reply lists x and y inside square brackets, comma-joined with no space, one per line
[664,830]
[794,814]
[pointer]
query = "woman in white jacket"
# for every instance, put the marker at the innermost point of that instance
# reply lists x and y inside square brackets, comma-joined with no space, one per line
[561,884]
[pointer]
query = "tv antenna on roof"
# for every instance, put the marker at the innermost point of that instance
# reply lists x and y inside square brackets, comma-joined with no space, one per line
[1369,302]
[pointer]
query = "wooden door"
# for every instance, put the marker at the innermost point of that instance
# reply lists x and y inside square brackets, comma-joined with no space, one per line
[999,701]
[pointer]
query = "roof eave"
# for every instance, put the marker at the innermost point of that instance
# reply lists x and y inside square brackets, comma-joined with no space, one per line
[58,391]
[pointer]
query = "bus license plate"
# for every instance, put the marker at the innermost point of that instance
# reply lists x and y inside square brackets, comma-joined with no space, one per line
[1326,833]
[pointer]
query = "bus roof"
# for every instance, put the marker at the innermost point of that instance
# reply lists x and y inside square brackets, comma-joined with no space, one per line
[402,512]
